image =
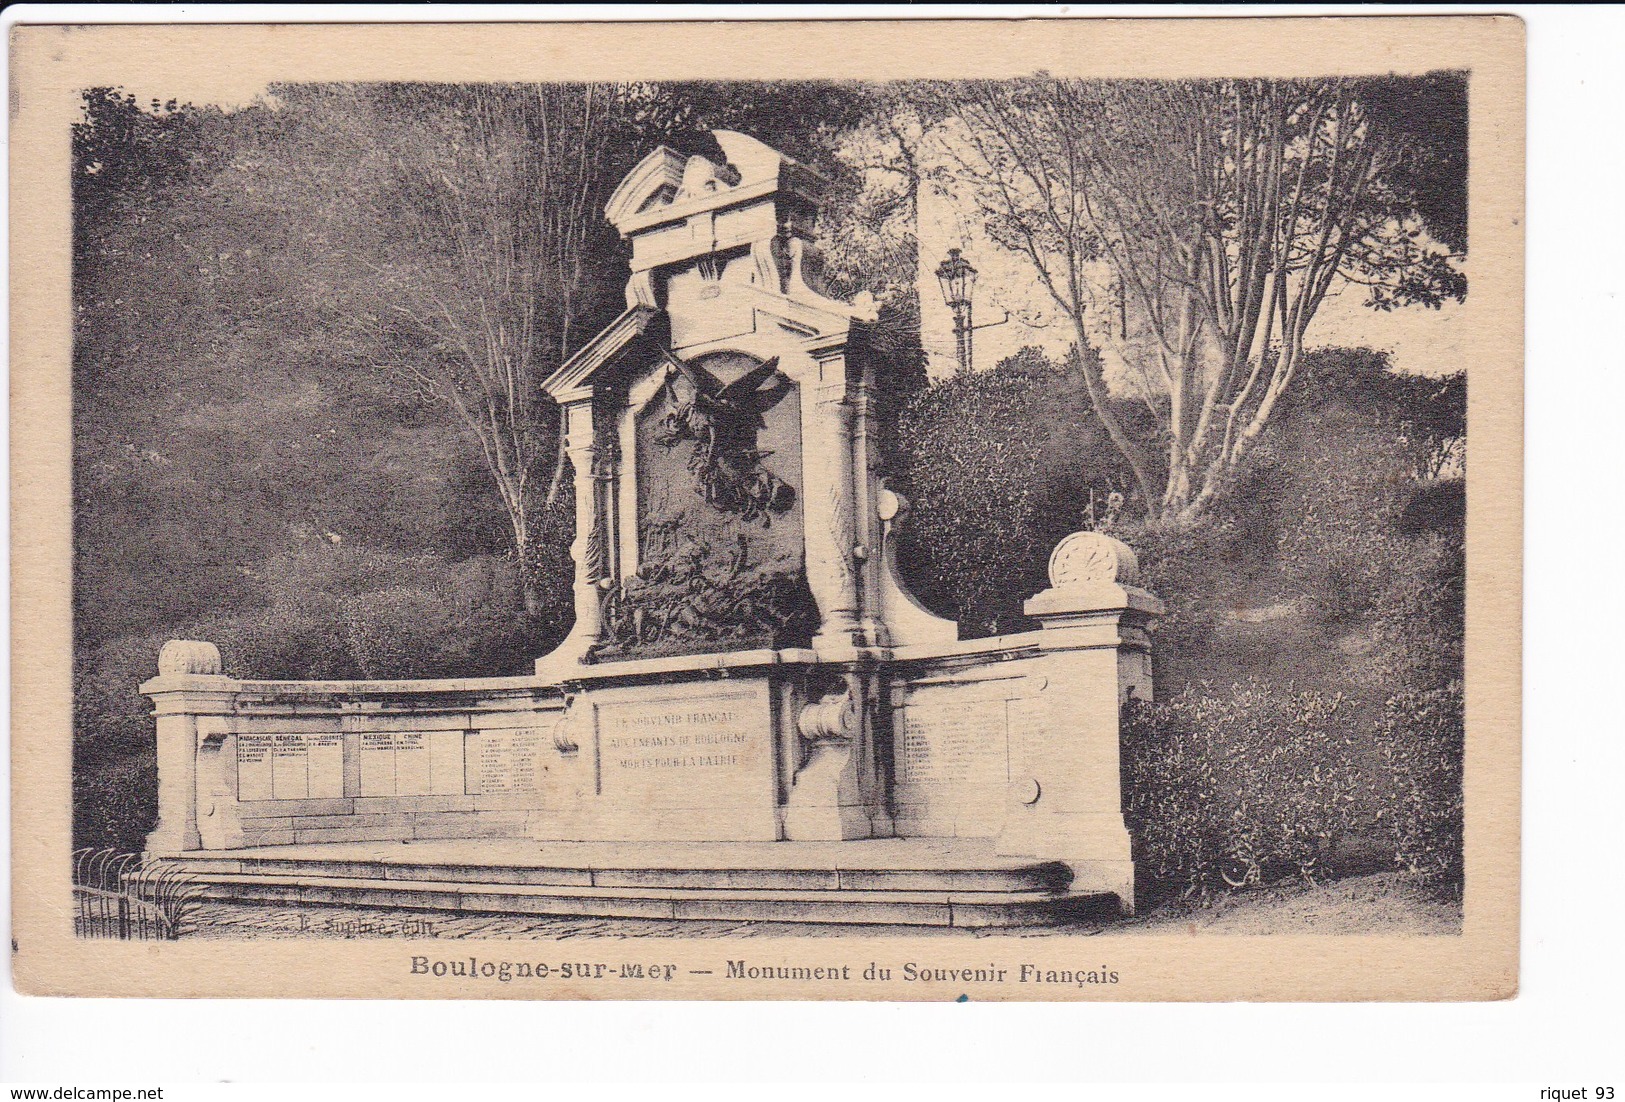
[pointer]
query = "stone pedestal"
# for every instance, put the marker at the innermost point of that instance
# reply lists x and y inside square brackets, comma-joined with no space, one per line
[1096,654]
[836,793]
[190,700]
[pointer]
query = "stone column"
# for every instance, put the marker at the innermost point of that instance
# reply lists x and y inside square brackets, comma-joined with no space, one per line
[588,549]
[867,552]
[1096,654]
[191,700]
[828,501]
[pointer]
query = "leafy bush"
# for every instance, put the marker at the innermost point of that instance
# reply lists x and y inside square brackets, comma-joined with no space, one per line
[1238,788]
[1000,465]
[1335,556]
[1346,502]
[341,612]
[1196,570]
[1370,538]
[1420,745]
[1228,787]
[115,799]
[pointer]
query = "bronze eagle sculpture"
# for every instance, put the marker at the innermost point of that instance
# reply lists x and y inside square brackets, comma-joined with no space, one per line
[722,419]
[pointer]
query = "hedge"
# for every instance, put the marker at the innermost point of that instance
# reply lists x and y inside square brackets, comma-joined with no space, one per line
[1240,787]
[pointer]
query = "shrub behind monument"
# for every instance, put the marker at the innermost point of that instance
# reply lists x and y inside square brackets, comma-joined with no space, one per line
[999,466]
[330,613]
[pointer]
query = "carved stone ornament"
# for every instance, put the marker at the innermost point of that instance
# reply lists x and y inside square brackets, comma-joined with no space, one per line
[189,656]
[563,738]
[831,719]
[1092,558]
[890,505]
[687,596]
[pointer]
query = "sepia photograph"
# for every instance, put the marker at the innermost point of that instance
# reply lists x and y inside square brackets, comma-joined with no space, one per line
[801,533]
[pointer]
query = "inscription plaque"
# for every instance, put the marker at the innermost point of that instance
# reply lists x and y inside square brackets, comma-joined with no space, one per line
[504,762]
[254,767]
[290,766]
[412,763]
[954,743]
[696,762]
[378,764]
[676,752]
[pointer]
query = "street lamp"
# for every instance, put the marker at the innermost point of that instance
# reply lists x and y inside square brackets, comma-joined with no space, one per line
[958,279]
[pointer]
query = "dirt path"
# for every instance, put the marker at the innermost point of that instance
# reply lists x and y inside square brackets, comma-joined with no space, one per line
[1387,903]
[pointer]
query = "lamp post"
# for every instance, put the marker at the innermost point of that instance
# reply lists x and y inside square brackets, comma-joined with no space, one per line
[958,280]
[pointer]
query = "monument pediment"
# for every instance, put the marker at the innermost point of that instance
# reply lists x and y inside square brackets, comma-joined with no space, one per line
[666,185]
[674,208]
[632,338]
[654,182]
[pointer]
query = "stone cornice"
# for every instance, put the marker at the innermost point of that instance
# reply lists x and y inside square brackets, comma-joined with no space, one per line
[637,326]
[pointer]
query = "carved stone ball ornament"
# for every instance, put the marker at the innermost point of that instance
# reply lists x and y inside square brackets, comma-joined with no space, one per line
[189,656]
[890,505]
[1092,558]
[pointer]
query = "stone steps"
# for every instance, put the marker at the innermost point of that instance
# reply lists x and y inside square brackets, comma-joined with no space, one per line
[919,882]
[1045,877]
[989,907]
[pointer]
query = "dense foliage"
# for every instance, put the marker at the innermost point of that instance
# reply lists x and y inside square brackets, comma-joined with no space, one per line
[1238,787]
[998,465]
[1311,660]
[1336,559]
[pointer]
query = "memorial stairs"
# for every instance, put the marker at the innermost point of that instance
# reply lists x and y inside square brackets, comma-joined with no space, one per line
[915,882]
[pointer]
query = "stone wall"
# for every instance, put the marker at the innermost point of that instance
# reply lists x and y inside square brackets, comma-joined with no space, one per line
[1013,739]
[251,763]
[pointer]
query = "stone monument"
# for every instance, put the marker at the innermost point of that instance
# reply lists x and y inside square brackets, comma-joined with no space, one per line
[750,698]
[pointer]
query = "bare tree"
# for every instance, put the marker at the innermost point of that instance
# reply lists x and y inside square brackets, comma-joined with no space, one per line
[1225,212]
[452,234]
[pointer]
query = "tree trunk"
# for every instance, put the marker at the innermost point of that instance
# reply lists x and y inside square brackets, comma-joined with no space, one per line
[561,458]
[530,586]
[531,589]
[1099,399]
